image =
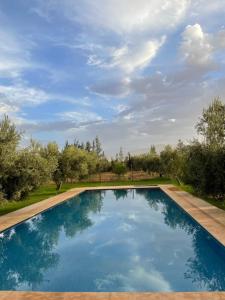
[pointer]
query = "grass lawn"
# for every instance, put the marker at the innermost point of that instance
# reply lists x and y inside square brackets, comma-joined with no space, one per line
[49,190]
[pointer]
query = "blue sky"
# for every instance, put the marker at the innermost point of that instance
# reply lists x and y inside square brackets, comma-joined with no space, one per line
[133,72]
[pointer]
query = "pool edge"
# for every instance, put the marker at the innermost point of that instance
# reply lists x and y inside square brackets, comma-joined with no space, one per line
[112,296]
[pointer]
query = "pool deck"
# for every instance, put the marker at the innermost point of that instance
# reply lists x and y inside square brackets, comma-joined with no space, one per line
[209,216]
[111,296]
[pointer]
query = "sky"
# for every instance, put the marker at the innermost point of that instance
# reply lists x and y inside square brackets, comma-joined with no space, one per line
[133,72]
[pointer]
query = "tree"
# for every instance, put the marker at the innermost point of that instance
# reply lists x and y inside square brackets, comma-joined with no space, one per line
[98,147]
[9,140]
[102,165]
[120,155]
[212,124]
[51,153]
[21,170]
[167,160]
[28,172]
[93,146]
[204,170]
[152,151]
[74,163]
[151,163]
[66,144]
[119,168]
[88,146]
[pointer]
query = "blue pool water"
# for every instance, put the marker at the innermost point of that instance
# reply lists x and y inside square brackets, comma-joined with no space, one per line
[121,240]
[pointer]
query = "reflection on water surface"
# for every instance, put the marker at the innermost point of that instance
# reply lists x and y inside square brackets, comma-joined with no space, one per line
[121,240]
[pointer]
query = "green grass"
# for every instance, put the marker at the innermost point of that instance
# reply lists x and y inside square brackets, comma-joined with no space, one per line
[49,190]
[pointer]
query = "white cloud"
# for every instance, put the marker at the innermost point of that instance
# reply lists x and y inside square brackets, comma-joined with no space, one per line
[80,116]
[154,103]
[119,87]
[120,108]
[138,56]
[172,120]
[133,216]
[125,16]
[198,47]
[93,60]
[205,8]
[15,97]
[219,39]
[6,108]
[120,38]
[137,29]
[130,57]
[20,95]
[14,53]
[126,227]
[135,279]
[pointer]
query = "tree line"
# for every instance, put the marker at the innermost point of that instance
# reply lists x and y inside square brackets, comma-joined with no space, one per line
[200,163]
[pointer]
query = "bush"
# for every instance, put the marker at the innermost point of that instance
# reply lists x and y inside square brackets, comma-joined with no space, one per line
[205,170]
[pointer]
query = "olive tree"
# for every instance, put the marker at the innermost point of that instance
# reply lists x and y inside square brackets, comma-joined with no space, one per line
[212,124]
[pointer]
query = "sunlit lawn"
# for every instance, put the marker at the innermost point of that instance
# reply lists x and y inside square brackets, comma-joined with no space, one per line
[49,190]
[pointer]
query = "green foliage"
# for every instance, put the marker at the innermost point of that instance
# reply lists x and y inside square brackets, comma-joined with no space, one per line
[212,124]
[9,140]
[98,147]
[74,164]
[205,170]
[119,168]
[167,160]
[88,146]
[152,162]
[21,170]
[202,165]
[28,172]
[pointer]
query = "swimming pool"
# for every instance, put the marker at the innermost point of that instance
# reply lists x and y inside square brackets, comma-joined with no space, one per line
[112,240]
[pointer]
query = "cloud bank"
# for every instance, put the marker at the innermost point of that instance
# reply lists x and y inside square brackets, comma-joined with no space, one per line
[133,72]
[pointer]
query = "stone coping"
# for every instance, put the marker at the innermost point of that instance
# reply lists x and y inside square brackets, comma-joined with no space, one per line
[111,296]
[208,216]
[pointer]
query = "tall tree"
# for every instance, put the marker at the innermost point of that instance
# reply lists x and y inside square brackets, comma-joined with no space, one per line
[93,146]
[88,146]
[212,124]
[9,140]
[152,151]
[120,155]
[9,136]
[98,146]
